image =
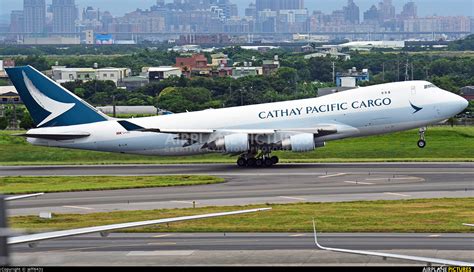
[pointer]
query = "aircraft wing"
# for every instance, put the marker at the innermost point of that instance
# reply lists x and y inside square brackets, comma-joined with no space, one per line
[319,130]
[34,238]
[11,198]
[388,255]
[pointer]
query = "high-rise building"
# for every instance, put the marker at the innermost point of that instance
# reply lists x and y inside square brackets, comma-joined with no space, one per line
[352,12]
[17,21]
[386,10]
[229,9]
[277,5]
[64,16]
[371,15]
[34,12]
[251,11]
[409,11]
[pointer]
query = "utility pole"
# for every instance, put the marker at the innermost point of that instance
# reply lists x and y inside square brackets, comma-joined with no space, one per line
[114,106]
[412,72]
[241,98]
[383,72]
[398,70]
[407,76]
[334,72]
[15,119]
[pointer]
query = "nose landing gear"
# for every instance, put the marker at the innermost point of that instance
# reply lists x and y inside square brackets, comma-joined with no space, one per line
[422,142]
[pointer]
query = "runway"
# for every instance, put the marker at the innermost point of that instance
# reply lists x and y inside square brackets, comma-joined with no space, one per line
[239,249]
[286,183]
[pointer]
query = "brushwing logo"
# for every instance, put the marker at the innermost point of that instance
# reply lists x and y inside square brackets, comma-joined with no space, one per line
[55,108]
[417,109]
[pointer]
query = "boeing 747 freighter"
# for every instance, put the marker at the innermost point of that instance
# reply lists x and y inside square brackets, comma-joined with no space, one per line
[249,132]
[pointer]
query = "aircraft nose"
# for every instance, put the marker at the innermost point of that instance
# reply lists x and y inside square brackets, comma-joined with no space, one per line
[458,102]
[465,103]
[462,102]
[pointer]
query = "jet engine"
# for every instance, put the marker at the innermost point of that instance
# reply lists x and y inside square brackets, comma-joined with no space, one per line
[301,143]
[233,143]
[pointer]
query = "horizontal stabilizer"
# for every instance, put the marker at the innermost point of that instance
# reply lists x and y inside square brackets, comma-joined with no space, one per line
[56,137]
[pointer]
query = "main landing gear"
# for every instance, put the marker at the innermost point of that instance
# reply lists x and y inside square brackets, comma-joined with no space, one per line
[258,162]
[422,142]
[253,160]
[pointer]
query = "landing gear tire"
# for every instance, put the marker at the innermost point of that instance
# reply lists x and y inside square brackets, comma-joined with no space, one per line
[242,162]
[421,144]
[268,162]
[275,159]
[259,162]
[252,162]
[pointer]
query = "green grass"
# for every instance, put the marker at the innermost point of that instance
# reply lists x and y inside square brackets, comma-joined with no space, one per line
[427,215]
[444,144]
[22,185]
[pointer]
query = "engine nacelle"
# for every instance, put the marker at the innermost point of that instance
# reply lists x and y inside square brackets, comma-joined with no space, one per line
[301,143]
[233,143]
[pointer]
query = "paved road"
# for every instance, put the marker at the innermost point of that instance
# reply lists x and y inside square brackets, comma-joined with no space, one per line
[239,248]
[281,184]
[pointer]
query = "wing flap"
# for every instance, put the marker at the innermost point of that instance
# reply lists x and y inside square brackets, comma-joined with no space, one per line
[32,238]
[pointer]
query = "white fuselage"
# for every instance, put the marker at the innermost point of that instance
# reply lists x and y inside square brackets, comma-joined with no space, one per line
[359,112]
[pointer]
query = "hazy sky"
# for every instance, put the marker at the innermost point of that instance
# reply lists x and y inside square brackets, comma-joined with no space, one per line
[425,7]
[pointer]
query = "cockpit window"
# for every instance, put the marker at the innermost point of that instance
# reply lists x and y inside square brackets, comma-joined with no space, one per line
[429,86]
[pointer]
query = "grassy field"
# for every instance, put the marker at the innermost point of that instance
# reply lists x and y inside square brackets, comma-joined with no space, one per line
[444,144]
[431,215]
[23,185]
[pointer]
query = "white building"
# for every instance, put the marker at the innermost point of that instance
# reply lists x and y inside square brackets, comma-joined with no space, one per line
[333,52]
[62,74]
[238,72]
[114,74]
[368,45]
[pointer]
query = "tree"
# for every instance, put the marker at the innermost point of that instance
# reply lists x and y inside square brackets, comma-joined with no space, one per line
[320,69]
[26,121]
[178,99]
[3,82]
[3,123]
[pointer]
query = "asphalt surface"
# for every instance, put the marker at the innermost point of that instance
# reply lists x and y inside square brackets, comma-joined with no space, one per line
[240,248]
[280,184]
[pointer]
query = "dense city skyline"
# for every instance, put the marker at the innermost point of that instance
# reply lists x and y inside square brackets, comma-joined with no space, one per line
[426,7]
[70,22]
